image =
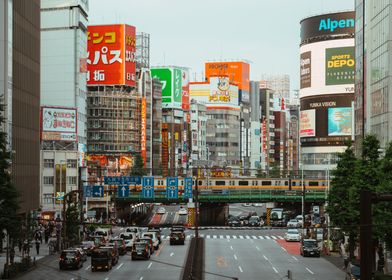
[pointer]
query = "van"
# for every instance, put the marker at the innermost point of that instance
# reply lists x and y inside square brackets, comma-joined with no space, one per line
[101,259]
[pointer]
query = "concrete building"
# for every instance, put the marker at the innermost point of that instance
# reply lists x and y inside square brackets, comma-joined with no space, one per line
[255,127]
[326,90]
[156,127]
[280,84]
[267,129]
[373,109]
[293,140]
[63,91]
[20,93]
[198,130]
[281,144]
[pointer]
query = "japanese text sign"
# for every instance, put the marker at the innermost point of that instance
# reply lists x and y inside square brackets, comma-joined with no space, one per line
[111,55]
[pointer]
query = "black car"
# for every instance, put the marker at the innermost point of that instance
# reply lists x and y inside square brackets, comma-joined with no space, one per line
[113,251]
[140,250]
[178,228]
[70,258]
[177,237]
[101,259]
[234,222]
[309,248]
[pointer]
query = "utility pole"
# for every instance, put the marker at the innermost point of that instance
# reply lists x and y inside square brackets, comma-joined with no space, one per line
[197,208]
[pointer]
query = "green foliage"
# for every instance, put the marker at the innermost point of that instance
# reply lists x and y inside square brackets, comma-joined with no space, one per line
[138,166]
[260,173]
[72,230]
[274,171]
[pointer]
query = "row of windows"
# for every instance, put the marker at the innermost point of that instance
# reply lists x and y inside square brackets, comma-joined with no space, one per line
[222,144]
[112,147]
[49,180]
[223,117]
[71,163]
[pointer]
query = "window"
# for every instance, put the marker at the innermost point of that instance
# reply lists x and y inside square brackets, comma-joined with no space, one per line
[48,180]
[72,163]
[48,198]
[49,163]
[71,180]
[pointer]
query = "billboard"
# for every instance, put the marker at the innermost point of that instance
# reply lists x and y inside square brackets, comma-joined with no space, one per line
[111,55]
[185,89]
[328,24]
[217,93]
[82,151]
[143,133]
[326,120]
[327,67]
[58,124]
[237,72]
[172,90]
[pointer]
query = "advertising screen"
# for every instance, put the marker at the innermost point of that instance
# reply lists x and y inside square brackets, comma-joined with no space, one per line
[326,120]
[238,72]
[327,67]
[143,137]
[58,124]
[172,91]
[111,55]
[185,89]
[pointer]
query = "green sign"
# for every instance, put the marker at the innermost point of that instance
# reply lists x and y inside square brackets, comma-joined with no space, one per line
[165,76]
[339,66]
[177,86]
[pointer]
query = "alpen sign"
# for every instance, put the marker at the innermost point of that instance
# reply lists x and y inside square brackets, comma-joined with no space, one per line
[332,25]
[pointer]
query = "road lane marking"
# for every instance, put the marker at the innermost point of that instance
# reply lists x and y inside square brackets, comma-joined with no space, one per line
[148,267]
[257,248]
[228,236]
[231,247]
[273,237]
[171,254]
[247,237]
[202,235]
[141,278]
[221,236]
[240,268]
[118,267]
[280,237]
[267,237]
[276,271]
[235,257]
[235,236]
[208,236]
[295,258]
[265,257]
[107,278]
[311,272]
[241,237]
[214,236]
[283,249]
[261,237]
[254,237]
[87,268]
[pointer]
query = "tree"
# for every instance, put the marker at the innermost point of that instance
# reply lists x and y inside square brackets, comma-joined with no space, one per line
[138,167]
[260,173]
[9,219]
[72,230]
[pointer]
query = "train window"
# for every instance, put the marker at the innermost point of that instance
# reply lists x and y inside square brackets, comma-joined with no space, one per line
[200,183]
[286,183]
[182,183]
[256,183]
[243,183]
[220,183]
[313,183]
[266,183]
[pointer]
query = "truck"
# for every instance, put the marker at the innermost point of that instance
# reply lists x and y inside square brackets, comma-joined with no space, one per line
[277,217]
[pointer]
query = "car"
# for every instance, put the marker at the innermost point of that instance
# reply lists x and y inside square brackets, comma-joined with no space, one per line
[120,244]
[129,238]
[149,242]
[101,259]
[353,272]
[70,258]
[105,232]
[309,248]
[82,253]
[182,211]
[234,222]
[135,230]
[178,228]
[113,251]
[293,223]
[87,246]
[140,250]
[161,210]
[292,234]
[157,230]
[177,237]
[153,237]
[246,204]
[254,221]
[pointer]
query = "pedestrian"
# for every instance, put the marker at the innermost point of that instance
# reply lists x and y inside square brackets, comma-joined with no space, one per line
[37,246]
[20,245]
[47,235]
[12,255]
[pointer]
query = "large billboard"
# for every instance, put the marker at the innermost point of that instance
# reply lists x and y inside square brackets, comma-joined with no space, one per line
[143,140]
[327,67]
[185,89]
[326,120]
[172,90]
[218,93]
[58,124]
[111,55]
[327,25]
[237,72]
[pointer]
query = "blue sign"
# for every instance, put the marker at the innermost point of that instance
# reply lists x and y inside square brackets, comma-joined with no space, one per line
[87,191]
[98,191]
[148,187]
[188,187]
[136,180]
[126,180]
[123,191]
[172,187]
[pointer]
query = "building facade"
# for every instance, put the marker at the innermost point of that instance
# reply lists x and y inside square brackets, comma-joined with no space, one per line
[156,127]
[280,84]
[267,129]
[198,130]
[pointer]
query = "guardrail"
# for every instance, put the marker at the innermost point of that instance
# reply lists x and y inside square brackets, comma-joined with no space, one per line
[234,195]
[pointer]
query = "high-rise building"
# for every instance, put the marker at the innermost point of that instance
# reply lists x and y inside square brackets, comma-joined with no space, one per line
[326,89]
[267,129]
[63,98]
[20,93]
[255,127]
[280,84]
[281,144]
[198,129]
[156,127]
[372,102]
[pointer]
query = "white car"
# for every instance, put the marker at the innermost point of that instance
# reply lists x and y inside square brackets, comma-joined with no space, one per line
[182,211]
[246,204]
[129,238]
[292,234]
[161,210]
[133,229]
[293,223]
[153,237]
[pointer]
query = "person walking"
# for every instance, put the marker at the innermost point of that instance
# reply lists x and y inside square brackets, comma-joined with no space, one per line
[12,255]
[37,246]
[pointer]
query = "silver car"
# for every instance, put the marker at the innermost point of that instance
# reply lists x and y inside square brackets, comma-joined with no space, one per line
[292,234]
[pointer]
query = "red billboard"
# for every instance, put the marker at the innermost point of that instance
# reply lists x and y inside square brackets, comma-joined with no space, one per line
[143,132]
[238,72]
[185,89]
[111,55]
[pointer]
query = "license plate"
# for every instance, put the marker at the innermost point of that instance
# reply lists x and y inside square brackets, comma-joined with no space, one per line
[311,253]
[99,267]
[139,253]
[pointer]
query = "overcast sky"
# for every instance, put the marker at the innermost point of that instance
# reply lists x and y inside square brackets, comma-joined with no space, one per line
[190,32]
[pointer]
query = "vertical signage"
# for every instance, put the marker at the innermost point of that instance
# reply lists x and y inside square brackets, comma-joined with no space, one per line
[185,89]
[172,187]
[306,69]
[143,131]
[148,187]
[188,187]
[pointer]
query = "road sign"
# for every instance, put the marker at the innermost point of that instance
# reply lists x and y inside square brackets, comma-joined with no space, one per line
[136,180]
[98,191]
[123,191]
[172,187]
[87,191]
[188,188]
[125,180]
[148,187]
[60,195]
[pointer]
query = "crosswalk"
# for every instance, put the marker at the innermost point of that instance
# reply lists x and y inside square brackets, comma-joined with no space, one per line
[243,237]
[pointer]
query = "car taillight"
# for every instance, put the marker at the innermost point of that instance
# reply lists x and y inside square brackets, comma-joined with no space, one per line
[61,259]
